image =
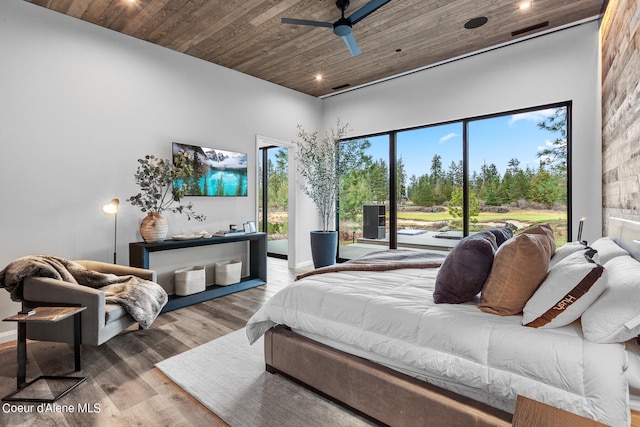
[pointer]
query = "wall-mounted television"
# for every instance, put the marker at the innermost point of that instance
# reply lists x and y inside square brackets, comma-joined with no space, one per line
[219,173]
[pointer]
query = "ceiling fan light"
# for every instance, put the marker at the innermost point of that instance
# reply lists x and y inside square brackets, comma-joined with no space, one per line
[342,28]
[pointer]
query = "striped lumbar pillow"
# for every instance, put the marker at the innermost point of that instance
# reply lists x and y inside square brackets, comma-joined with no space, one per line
[569,289]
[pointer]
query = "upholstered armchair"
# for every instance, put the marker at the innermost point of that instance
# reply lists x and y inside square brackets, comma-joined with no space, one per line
[100,321]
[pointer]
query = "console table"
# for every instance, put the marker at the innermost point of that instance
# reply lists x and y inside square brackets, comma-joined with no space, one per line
[139,257]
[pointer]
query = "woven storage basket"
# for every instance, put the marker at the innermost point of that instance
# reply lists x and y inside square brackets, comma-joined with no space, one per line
[228,272]
[190,280]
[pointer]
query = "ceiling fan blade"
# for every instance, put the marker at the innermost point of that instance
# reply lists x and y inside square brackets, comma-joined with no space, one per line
[367,10]
[352,45]
[305,22]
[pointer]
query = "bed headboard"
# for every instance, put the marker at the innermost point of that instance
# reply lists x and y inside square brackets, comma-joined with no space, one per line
[626,233]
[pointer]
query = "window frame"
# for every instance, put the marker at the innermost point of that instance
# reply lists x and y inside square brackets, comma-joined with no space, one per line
[392,161]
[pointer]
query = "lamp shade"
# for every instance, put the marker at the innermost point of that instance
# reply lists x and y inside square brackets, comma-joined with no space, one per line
[111,208]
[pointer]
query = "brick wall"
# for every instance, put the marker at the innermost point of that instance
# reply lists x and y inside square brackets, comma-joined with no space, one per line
[620,35]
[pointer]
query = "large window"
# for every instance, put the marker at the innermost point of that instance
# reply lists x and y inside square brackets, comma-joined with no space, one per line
[362,191]
[430,176]
[518,170]
[458,178]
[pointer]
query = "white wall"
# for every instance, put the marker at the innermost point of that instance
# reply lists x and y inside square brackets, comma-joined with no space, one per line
[80,103]
[562,66]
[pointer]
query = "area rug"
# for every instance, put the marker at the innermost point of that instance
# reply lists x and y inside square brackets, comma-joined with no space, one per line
[228,376]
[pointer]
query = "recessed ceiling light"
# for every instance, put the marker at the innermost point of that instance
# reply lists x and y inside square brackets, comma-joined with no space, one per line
[318,77]
[525,5]
[476,22]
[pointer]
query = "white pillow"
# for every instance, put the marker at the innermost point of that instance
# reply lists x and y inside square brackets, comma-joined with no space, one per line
[615,316]
[607,249]
[564,251]
[571,286]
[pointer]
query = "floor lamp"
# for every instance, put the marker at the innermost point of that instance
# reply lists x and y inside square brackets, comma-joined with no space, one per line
[111,208]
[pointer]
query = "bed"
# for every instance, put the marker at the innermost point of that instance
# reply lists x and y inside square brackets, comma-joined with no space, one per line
[376,340]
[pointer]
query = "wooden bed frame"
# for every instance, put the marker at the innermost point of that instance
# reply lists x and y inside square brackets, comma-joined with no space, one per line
[379,393]
[388,396]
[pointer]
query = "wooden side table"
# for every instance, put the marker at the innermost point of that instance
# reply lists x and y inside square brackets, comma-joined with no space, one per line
[45,315]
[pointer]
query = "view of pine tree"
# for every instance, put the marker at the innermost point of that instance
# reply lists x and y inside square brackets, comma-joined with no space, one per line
[354,193]
[544,188]
[492,193]
[455,174]
[413,183]
[422,193]
[437,180]
[555,156]
[436,169]
[515,183]
[401,180]
[278,180]
[455,210]
[378,178]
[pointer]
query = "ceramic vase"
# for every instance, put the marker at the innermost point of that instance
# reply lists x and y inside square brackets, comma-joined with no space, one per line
[154,228]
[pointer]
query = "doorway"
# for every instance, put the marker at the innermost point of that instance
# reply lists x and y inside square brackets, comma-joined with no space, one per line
[274,195]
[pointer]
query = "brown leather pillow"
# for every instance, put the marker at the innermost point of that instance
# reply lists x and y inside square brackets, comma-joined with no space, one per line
[519,267]
[545,230]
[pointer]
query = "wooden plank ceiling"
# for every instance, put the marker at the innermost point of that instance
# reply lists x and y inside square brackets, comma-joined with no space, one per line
[247,35]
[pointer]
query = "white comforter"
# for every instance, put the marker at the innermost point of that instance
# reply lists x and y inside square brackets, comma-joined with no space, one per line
[392,317]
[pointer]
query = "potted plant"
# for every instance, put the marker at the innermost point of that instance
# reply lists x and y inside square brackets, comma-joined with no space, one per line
[160,192]
[322,160]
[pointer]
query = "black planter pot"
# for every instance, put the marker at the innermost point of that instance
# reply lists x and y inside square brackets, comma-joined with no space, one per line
[324,247]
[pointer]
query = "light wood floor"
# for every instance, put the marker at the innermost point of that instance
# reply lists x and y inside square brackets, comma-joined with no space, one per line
[121,378]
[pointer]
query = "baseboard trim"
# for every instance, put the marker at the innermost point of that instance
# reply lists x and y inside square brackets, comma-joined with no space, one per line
[304,264]
[8,336]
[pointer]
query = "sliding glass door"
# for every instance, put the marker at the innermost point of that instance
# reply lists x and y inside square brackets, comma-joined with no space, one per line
[273,199]
[429,181]
[363,202]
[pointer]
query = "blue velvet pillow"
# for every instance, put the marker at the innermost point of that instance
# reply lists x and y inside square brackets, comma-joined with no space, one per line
[502,234]
[465,269]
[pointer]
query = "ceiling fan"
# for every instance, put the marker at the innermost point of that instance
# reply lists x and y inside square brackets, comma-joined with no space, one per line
[343,26]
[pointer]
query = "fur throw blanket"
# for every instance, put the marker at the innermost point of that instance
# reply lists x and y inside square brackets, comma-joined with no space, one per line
[141,298]
[392,259]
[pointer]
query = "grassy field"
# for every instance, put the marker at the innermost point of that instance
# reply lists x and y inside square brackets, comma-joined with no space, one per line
[520,215]
[522,218]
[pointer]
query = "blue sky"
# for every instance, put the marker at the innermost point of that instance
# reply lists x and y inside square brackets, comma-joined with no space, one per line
[495,140]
